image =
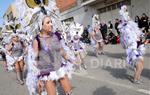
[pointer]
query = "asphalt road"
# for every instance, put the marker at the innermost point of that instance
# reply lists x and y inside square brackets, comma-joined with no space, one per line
[106,75]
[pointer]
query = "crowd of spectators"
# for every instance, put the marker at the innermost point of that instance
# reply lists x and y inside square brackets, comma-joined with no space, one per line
[110,31]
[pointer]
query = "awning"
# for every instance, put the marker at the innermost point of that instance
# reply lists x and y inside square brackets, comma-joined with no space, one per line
[87,2]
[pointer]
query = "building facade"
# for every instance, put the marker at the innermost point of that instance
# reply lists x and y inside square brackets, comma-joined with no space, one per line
[83,11]
[10,13]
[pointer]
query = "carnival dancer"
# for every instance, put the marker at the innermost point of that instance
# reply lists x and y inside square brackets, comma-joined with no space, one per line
[130,38]
[97,36]
[79,51]
[16,53]
[49,53]
[71,54]
[73,36]
[47,60]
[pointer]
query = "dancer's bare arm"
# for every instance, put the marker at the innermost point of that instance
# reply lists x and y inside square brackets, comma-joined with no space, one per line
[67,57]
[35,47]
[9,48]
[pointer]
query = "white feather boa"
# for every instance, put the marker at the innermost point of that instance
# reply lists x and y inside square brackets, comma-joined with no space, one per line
[130,34]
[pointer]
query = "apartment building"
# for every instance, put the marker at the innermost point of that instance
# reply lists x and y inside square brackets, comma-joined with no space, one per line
[81,11]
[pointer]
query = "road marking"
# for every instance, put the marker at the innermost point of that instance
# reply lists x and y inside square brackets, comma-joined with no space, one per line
[147,92]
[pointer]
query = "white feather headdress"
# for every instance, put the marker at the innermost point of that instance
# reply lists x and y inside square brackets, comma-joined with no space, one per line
[72,30]
[130,33]
[124,14]
[33,16]
[95,21]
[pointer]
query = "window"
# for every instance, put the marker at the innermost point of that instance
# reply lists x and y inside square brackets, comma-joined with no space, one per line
[109,8]
[114,6]
[119,5]
[127,2]
[103,10]
[68,20]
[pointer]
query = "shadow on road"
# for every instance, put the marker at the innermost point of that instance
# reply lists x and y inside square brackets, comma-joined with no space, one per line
[91,53]
[60,90]
[104,91]
[146,73]
[121,55]
[115,55]
[122,73]
[119,73]
[147,55]
[116,72]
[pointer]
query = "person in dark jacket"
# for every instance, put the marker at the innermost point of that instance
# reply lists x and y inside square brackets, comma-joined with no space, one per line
[103,30]
[85,36]
[110,25]
[116,26]
[112,38]
[138,21]
[144,22]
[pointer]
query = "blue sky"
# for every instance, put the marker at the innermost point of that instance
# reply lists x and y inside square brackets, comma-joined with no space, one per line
[4,4]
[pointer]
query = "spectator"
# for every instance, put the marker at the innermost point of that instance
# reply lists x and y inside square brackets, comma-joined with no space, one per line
[116,26]
[89,29]
[144,22]
[138,21]
[110,25]
[85,36]
[112,38]
[149,25]
[103,30]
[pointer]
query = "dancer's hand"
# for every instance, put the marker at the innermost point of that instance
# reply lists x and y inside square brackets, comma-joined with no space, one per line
[146,42]
[8,53]
[75,61]
[40,86]
[39,83]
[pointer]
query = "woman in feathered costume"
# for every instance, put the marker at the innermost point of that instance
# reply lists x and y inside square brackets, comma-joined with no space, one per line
[97,36]
[130,36]
[78,47]
[47,58]
[15,49]
[49,53]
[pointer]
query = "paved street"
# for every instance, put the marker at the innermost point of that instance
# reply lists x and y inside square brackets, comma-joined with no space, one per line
[106,75]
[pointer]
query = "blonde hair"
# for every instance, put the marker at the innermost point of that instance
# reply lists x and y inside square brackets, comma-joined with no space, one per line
[44,18]
[41,20]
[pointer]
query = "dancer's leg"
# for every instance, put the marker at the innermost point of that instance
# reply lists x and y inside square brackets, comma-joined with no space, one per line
[21,64]
[82,55]
[18,73]
[50,87]
[66,85]
[139,69]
